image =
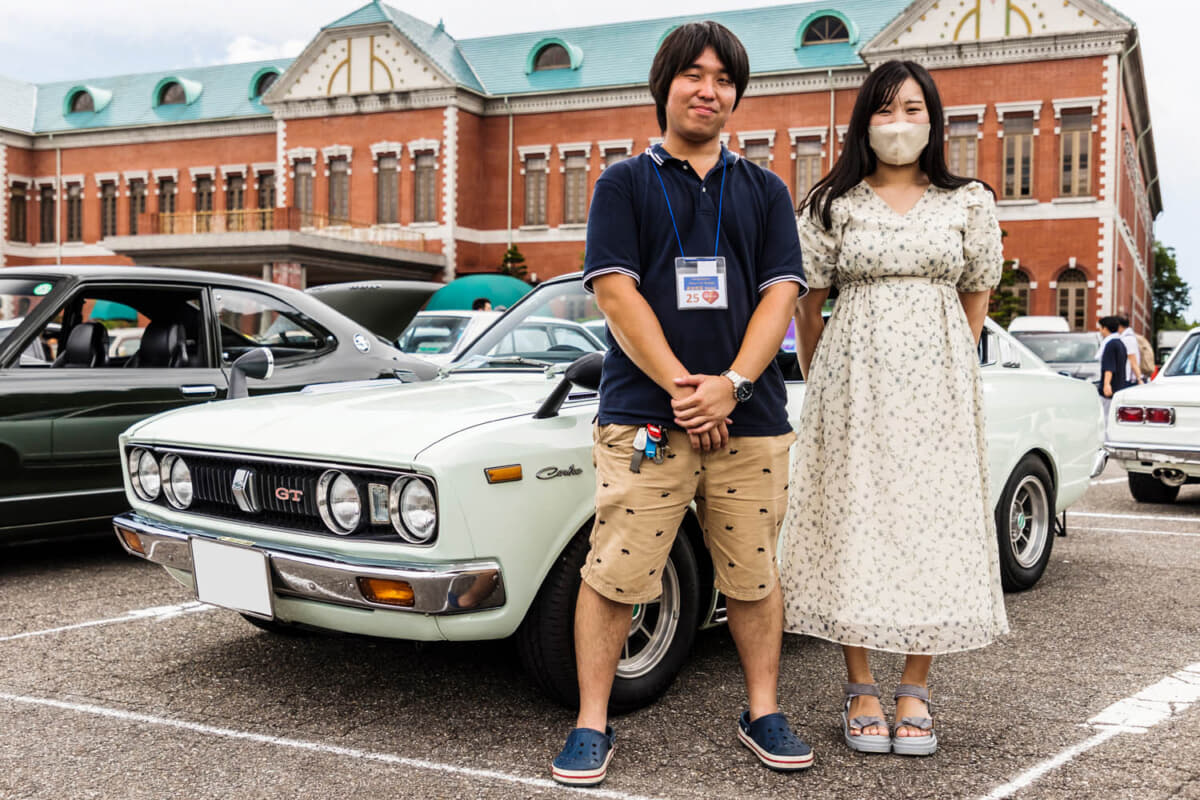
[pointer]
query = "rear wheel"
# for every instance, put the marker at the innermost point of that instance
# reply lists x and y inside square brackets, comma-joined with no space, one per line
[1149,489]
[1025,524]
[660,633]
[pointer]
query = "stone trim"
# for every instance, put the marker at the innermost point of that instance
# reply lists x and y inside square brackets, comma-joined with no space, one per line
[385,148]
[173,132]
[976,111]
[620,145]
[302,154]
[812,131]
[233,169]
[574,147]
[450,191]
[13,178]
[337,151]
[745,137]
[424,146]
[45,180]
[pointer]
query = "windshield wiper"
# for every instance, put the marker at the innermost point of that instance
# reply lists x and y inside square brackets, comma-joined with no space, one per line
[481,362]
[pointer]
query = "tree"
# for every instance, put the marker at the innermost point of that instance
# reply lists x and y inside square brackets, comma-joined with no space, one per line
[1170,294]
[1004,303]
[513,263]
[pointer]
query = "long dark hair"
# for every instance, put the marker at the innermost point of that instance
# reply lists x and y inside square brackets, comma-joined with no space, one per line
[858,159]
[682,47]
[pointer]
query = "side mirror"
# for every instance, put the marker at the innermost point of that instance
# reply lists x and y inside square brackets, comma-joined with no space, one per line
[257,363]
[584,371]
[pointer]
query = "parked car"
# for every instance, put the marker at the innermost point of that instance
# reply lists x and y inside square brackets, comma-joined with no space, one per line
[1072,353]
[1167,342]
[64,397]
[1048,324]
[1154,429]
[124,342]
[439,336]
[460,508]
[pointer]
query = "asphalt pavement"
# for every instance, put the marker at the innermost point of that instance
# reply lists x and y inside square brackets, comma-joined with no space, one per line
[115,683]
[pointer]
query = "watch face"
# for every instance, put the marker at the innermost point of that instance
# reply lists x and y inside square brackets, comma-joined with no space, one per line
[743,391]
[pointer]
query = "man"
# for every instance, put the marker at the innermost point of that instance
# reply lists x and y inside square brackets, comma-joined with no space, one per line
[1133,370]
[481,304]
[1113,361]
[694,259]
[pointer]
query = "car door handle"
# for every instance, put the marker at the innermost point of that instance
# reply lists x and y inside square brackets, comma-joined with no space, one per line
[201,391]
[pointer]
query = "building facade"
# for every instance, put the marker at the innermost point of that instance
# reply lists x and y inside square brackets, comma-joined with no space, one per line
[389,148]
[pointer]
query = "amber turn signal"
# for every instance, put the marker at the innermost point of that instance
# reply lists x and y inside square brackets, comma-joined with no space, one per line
[131,540]
[503,474]
[386,591]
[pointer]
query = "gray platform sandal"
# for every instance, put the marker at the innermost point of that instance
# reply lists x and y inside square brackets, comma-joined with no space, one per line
[863,743]
[915,745]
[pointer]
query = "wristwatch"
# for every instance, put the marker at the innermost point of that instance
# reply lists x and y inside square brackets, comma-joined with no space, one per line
[743,388]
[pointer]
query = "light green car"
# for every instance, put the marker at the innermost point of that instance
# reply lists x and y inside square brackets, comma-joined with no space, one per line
[459,508]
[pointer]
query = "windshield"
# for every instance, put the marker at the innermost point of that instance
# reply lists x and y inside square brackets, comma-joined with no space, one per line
[1060,348]
[545,327]
[19,297]
[1186,360]
[433,334]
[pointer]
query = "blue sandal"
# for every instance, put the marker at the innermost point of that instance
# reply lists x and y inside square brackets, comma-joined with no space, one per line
[584,758]
[771,739]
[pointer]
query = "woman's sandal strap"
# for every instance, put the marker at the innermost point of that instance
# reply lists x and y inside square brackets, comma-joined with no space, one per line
[860,690]
[920,723]
[909,690]
[860,723]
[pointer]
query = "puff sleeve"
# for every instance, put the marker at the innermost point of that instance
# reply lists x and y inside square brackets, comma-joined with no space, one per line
[821,248]
[983,253]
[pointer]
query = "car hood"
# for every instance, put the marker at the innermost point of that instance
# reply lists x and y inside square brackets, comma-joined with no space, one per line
[372,422]
[382,307]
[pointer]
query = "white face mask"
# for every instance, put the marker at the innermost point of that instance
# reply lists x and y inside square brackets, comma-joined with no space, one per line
[898,143]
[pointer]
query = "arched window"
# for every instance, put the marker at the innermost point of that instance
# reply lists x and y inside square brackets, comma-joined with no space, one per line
[82,101]
[1072,298]
[264,82]
[826,30]
[1020,289]
[552,56]
[172,94]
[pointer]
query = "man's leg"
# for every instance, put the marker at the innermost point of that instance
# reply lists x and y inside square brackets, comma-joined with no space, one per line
[601,627]
[757,628]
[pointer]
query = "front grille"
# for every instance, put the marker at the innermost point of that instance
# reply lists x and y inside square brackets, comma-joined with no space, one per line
[275,484]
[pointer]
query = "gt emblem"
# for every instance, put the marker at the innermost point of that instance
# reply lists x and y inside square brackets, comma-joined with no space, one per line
[283,493]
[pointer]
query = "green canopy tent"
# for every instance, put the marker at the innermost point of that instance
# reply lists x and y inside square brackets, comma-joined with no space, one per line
[113,312]
[459,294]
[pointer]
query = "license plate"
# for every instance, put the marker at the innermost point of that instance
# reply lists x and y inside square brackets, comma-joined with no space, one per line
[232,577]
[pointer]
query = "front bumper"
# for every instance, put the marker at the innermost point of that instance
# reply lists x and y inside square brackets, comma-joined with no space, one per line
[1155,454]
[437,588]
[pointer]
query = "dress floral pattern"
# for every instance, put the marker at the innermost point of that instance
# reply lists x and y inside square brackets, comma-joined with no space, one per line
[889,541]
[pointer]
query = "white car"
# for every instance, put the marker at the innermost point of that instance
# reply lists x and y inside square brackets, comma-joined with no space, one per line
[1154,429]
[459,508]
[439,336]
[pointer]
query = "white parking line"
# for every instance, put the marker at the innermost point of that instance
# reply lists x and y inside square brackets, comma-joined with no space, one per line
[1135,530]
[1107,481]
[157,613]
[1138,713]
[1108,515]
[314,747]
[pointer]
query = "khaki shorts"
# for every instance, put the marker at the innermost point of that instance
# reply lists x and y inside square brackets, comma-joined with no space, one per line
[740,494]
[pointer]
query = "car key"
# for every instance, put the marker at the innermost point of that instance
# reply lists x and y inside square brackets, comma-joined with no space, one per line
[639,450]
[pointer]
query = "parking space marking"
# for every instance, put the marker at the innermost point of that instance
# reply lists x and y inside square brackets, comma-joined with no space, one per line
[1136,530]
[1138,713]
[1109,515]
[157,613]
[313,747]
[1107,481]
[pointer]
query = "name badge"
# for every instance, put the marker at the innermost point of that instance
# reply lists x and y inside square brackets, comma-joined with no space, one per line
[700,284]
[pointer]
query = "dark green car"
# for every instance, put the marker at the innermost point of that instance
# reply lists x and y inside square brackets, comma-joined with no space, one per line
[66,392]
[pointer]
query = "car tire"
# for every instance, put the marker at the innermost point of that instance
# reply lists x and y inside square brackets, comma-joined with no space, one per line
[661,633]
[1149,489]
[1025,524]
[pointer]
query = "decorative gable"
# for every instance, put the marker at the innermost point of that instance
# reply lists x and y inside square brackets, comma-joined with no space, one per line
[942,22]
[344,62]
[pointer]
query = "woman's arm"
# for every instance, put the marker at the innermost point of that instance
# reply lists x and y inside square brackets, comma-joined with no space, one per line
[975,304]
[809,325]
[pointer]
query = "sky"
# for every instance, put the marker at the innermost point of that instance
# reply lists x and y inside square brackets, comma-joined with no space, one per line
[51,40]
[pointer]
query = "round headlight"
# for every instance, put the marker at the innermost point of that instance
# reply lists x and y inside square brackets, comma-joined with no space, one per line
[177,481]
[413,510]
[339,502]
[143,469]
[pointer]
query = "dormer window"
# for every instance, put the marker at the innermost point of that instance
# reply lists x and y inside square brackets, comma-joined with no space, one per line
[82,101]
[86,100]
[552,56]
[172,94]
[264,82]
[826,29]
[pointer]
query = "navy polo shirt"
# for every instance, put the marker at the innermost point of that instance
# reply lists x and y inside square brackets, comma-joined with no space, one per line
[629,231]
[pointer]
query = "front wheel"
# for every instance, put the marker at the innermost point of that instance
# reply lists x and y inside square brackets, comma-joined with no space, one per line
[1149,489]
[1025,524]
[661,633]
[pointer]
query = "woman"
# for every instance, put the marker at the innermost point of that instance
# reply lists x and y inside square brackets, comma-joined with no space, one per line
[889,542]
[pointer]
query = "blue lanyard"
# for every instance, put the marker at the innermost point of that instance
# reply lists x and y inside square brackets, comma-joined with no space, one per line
[720,202]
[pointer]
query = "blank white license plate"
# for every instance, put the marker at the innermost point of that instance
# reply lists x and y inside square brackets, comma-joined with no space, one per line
[232,577]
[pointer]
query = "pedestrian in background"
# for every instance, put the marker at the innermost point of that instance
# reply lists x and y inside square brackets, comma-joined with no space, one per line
[694,258]
[1114,361]
[889,543]
[1133,369]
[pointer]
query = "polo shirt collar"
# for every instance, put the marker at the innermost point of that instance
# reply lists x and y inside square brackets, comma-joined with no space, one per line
[660,156]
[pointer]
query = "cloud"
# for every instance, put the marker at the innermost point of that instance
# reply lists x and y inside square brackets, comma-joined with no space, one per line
[246,48]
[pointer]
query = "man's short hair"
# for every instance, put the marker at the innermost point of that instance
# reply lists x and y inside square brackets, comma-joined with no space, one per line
[1110,323]
[682,47]
[1122,320]
[480,304]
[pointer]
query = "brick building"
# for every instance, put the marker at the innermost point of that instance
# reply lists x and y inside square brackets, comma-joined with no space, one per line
[389,148]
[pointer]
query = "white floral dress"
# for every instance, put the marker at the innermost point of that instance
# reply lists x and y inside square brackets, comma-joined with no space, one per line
[889,541]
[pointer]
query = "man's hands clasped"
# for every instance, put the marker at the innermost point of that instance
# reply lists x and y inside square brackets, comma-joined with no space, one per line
[702,406]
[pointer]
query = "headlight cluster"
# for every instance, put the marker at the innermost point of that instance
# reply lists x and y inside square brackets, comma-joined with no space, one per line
[408,503]
[171,477]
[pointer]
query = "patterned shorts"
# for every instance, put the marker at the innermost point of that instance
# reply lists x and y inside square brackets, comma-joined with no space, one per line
[741,498]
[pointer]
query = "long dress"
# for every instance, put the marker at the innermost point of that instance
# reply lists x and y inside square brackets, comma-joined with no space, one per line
[889,541]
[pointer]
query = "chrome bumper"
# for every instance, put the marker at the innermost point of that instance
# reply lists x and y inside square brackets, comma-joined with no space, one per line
[436,588]
[1099,462]
[1157,454]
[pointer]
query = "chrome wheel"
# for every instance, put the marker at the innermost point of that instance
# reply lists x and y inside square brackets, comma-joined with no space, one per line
[1029,521]
[652,629]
